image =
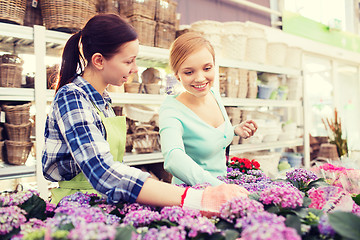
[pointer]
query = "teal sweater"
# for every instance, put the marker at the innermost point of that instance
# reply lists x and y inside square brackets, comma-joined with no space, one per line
[194,151]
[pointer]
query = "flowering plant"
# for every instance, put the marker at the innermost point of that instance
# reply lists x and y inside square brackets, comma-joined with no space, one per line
[243,164]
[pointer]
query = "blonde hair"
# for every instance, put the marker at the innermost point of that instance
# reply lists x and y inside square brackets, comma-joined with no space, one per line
[184,46]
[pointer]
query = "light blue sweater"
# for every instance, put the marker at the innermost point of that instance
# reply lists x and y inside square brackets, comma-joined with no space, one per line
[194,151]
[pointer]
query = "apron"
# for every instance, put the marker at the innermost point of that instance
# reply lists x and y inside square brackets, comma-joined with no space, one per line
[115,128]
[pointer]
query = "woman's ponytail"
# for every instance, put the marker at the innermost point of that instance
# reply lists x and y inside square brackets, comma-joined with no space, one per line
[72,60]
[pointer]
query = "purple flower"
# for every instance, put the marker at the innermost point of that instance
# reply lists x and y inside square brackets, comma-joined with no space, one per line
[259,217]
[61,219]
[16,199]
[89,231]
[239,207]
[11,217]
[174,214]
[50,207]
[112,219]
[130,207]
[283,197]
[325,227]
[141,217]
[301,175]
[197,225]
[268,231]
[79,197]
[165,233]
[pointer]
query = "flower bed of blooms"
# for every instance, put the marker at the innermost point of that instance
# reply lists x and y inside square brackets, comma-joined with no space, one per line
[301,207]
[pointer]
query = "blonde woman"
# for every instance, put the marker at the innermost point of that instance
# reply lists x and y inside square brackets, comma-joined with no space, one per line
[194,127]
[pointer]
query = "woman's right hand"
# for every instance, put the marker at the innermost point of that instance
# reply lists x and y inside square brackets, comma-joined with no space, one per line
[210,200]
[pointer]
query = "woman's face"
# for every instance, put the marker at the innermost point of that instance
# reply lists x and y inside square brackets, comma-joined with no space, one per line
[119,67]
[197,73]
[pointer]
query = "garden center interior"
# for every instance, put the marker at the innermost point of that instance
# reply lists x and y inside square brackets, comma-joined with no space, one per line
[292,66]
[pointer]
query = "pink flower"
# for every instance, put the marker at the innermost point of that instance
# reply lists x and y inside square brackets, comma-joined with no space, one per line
[283,197]
[317,198]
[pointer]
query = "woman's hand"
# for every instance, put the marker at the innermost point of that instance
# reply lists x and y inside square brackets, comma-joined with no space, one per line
[246,129]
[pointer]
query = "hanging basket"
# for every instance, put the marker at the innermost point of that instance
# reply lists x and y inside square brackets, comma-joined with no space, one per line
[17,152]
[12,11]
[67,16]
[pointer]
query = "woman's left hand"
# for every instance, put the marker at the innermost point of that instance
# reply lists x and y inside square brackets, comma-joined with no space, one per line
[246,129]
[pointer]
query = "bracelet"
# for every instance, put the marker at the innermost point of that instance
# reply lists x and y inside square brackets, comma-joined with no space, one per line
[183,196]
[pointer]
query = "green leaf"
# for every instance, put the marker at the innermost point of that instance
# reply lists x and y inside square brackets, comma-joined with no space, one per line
[35,208]
[345,224]
[317,183]
[163,222]
[357,199]
[306,201]
[293,221]
[125,233]
[231,234]
[254,196]
[224,225]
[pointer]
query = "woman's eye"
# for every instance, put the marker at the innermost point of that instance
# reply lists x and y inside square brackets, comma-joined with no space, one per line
[208,68]
[188,73]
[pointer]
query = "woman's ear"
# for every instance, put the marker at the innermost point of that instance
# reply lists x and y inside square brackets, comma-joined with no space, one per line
[97,61]
[177,77]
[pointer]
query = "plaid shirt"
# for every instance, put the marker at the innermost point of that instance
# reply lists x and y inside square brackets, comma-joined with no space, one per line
[75,141]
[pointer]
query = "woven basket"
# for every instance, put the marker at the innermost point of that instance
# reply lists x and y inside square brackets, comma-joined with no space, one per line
[276,53]
[145,29]
[207,26]
[1,151]
[243,83]
[17,114]
[129,143]
[67,16]
[52,75]
[1,133]
[144,8]
[293,57]
[18,132]
[234,27]
[152,88]
[33,14]
[108,6]
[234,46]
[256,50]
[10,75]
[118,110]
[164,35]
[144,140]
[132,87]
[12,11]
[252,85]
[17,152]
[328,151]
[166,11]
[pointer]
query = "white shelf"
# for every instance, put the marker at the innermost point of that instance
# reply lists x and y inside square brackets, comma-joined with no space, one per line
[234,149]
[17,94]
[257,67]
[133,98]
[12,171]
[248,102]
[133,159]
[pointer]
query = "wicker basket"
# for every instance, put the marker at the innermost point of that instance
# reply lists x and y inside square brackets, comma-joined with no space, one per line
[129,143]
[252,85]
[276,53]
[132,87]
[1,133]
[328,151]
[17,152]
[52,75]
[10,75]
[145,29]
[67,16]
[18,132]
[33,14]
[234,46]
[12,11]
[118,110]
[108,6]
[243,83]
[1,151]
[144,140]
[256,50]
[166,11]
[164,35]
[17,114]
[144,8]
[152,88]
[293,57]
